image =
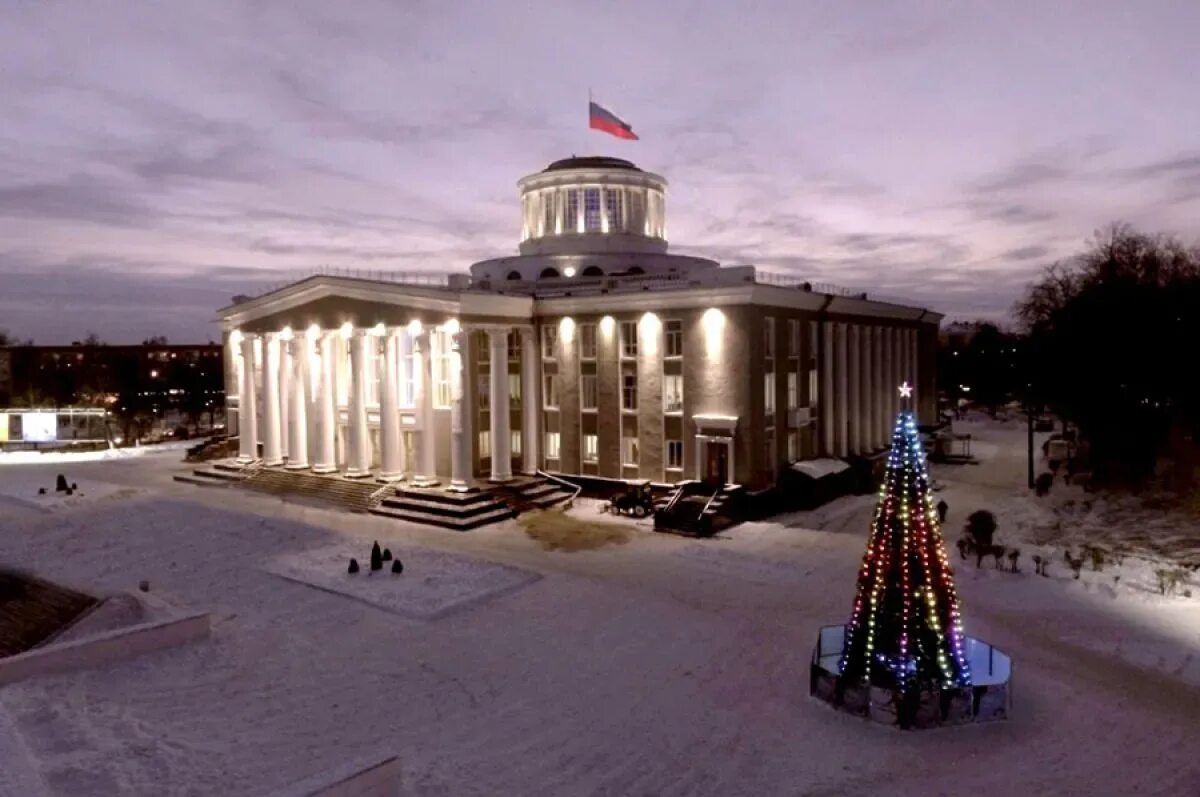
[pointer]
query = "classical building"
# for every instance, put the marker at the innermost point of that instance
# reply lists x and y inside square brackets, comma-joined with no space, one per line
[593,351]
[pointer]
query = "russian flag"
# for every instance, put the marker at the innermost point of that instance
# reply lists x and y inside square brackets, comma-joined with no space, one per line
[600,118]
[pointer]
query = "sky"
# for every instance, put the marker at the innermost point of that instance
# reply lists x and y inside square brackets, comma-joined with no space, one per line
[158,158]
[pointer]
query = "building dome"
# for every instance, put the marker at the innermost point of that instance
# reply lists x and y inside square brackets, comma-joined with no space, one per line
[592,204]
[590,162]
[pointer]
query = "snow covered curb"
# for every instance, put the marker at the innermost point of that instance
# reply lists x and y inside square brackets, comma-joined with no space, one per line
[106,647]
[367,776]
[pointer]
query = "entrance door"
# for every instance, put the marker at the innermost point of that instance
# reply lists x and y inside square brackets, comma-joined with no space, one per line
[716,459]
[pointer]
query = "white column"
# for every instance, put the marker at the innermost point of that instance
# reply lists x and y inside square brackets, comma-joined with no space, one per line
[425,456]
[843,385]
[358,452]
[285,396]
[530,439]
[855,397]
[879,354]
[870,427]
[894,367]
[297,403]
[391,462]
[272,450]
[326,456]
[248,405]
[501,449]
[827,398]
[461,414]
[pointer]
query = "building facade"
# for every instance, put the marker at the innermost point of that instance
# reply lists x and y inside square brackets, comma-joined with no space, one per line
[593,351]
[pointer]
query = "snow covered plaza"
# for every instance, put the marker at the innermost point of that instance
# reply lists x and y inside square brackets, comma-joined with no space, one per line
[659,666]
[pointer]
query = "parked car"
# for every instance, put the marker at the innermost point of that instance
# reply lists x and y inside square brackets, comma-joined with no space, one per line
[637,500]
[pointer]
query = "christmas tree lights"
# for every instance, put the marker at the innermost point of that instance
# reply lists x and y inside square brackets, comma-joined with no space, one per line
[905,630]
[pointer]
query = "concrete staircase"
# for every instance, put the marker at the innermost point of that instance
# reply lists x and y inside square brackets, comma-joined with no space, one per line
[527,493]
[697,510]
[219,474]
[356,496]
[436,507]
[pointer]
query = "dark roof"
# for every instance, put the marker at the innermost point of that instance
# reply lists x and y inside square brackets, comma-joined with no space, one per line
[591,162]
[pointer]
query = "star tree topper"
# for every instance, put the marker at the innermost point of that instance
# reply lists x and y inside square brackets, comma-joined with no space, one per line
[906,390]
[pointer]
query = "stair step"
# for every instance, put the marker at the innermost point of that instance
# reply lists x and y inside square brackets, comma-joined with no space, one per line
[408,504]
[218,476]
[203,482]
[445,521]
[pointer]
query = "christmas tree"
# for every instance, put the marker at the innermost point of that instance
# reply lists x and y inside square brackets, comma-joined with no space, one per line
[905,631]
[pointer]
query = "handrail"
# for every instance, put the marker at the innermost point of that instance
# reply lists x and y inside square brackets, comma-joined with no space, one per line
[575,487]
[375,497]
[680,491]
[712,498]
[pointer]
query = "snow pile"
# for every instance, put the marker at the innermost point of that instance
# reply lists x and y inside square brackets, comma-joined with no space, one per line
[432,585]
[105,454]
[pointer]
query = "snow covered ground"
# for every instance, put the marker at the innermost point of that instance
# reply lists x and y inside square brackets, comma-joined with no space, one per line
[661,665]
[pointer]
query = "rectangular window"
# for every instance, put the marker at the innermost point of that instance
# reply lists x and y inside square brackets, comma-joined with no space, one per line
[591,448]
[629,451]
[769,393]
[629,341]
[552,440]
[673,339]
[587,341]
[571,219]
[629,392]
[548,227]
[587,391]
[485,444]
[591,209]
[812,384]
[550,391]
[612,202]
[793,444]
[549,339]
[514,391]
[441,369]
[514,443]
[514,345]
[793,338]
[769,450]
[408,388]
[768,337]
[673,393]
[793,390]
[674,455]
[484,384]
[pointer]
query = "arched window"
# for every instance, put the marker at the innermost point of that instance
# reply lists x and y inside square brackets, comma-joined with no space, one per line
[548,273]
[636,270]
[593,271]
[513,275]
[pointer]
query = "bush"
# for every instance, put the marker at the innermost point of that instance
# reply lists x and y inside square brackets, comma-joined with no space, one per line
[353,566]
[981,527]
[397,566]
[376,557]
[387,554]
[1169,579]
[1043,484]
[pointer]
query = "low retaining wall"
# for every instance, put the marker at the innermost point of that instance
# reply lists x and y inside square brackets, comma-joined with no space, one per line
[104,648]
[369,776]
